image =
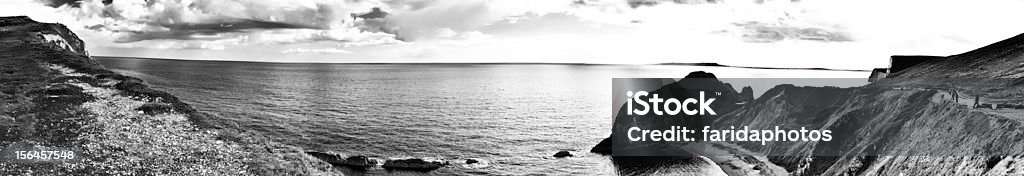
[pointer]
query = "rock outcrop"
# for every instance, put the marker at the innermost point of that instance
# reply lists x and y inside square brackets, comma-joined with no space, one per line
[414,164]
[562,154]
[747,94]
[689,86]
[352,161]
[360,161]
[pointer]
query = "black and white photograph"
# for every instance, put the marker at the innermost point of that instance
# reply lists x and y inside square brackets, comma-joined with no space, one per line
[512,87]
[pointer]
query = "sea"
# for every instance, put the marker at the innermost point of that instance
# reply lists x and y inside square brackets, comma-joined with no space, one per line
[512,117]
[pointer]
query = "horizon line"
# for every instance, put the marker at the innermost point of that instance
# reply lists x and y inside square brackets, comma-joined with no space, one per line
[704,64]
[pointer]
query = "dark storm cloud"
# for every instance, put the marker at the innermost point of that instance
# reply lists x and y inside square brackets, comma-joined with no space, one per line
[190,31]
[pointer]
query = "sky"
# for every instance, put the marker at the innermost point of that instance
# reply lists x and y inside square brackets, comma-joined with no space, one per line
[842,34]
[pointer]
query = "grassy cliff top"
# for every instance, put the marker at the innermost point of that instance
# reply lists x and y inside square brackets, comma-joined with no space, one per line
[53,95]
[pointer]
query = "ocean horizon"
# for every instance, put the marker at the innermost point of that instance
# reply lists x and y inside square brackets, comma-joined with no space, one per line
[510,116]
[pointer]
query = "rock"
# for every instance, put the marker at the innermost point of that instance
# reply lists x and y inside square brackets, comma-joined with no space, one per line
[413,164]
[155,108]
[562,154]
[604,147]
[472,161]
[747,94]
[360,161]
[692,85]
[326,157]
[700,74]
[335,159]
[727,98]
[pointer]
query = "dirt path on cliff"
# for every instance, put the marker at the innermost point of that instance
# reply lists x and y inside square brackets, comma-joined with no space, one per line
[734,160]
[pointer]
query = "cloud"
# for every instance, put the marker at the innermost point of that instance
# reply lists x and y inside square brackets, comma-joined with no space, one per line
[315,51]
[198,24]
[443,18]
[781,32]
[939,27]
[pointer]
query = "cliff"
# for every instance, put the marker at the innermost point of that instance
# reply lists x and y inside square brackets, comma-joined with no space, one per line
[1003,59]
[920,122]
[881,131]
[994,73]
[55,96]
[57,35]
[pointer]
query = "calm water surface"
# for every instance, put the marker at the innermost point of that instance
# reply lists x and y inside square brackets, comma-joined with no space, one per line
[513,117]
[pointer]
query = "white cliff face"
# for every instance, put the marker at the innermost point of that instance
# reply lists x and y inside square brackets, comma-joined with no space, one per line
[54,34]
[55,40]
